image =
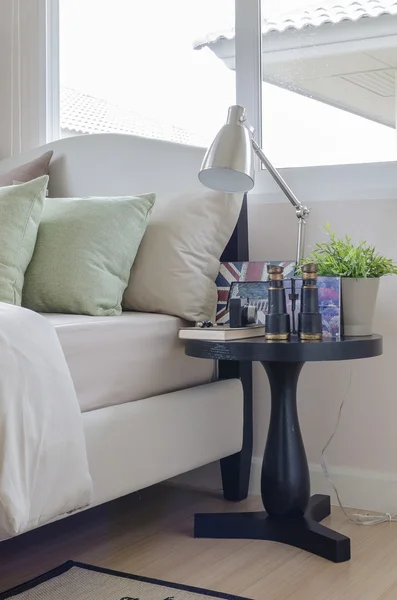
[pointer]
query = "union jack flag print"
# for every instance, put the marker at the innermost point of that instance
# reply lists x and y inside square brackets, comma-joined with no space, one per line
[231,272]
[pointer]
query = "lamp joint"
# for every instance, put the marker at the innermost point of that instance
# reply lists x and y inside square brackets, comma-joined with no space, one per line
[302,212]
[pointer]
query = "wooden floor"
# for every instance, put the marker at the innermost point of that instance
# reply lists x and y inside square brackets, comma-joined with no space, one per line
[151,534]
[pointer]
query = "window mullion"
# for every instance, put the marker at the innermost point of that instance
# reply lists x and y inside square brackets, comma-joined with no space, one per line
[248,52]
[52,69]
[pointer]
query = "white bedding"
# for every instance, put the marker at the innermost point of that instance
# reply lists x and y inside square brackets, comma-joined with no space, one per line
[43,462]
[114,360]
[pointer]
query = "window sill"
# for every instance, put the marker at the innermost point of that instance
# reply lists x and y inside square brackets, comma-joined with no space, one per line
[374,181]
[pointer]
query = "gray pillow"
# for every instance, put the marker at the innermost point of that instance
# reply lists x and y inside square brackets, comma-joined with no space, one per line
[28,171]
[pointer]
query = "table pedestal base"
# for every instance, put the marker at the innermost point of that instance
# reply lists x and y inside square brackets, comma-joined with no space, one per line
[302,532]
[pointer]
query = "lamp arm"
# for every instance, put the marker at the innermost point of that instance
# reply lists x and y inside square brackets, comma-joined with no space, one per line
[301,211]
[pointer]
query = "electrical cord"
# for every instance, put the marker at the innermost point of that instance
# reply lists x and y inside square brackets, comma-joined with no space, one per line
[356,518]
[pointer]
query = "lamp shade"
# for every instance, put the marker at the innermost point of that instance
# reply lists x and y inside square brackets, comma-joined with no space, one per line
[228,164]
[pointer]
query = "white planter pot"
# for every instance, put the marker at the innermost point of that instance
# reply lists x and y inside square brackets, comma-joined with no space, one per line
[359,301]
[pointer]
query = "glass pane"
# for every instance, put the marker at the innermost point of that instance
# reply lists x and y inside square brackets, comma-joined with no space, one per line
[329,82]
[129,66]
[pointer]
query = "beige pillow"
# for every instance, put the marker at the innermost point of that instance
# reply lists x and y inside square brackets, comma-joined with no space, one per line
[28,171]
[178,259]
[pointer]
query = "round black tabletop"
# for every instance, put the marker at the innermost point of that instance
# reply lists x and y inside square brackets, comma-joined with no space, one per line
[293,350]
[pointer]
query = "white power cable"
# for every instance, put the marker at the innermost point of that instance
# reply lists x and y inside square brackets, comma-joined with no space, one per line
[356,518]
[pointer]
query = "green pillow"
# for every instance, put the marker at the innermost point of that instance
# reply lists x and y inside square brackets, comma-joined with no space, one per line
[20,211]
[84,252]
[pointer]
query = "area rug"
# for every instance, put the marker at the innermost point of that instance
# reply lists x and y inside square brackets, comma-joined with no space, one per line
[77,581]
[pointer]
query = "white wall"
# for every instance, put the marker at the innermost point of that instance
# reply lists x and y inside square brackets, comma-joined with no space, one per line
[365,447]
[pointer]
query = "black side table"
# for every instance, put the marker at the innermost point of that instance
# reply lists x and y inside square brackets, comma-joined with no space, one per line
[291,516]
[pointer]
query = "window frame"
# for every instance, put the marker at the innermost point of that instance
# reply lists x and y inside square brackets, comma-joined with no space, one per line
[248,40]
[52,116]
[23,93]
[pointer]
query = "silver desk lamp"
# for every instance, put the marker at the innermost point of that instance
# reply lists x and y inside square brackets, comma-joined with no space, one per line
[229,166]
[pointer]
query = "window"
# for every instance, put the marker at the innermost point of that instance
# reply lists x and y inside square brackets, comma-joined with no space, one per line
[129,66]
[328,81]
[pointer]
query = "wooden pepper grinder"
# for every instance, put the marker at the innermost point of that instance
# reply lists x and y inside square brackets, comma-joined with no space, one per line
[277,323]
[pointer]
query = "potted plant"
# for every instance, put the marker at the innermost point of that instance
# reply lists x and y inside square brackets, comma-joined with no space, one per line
[360,267]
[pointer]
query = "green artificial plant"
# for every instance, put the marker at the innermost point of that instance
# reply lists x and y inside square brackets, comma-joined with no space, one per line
[340,257]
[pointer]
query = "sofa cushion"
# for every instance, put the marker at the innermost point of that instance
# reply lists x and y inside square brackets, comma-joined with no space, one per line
[126,358]
[178,261]
[84,252]
[28,171]
[20,211]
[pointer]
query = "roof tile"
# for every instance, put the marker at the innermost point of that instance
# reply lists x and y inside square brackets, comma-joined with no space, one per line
[328,12]
[83,113]
[312,16]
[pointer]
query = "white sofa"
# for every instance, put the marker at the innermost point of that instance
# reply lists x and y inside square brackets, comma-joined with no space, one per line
[149,412]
